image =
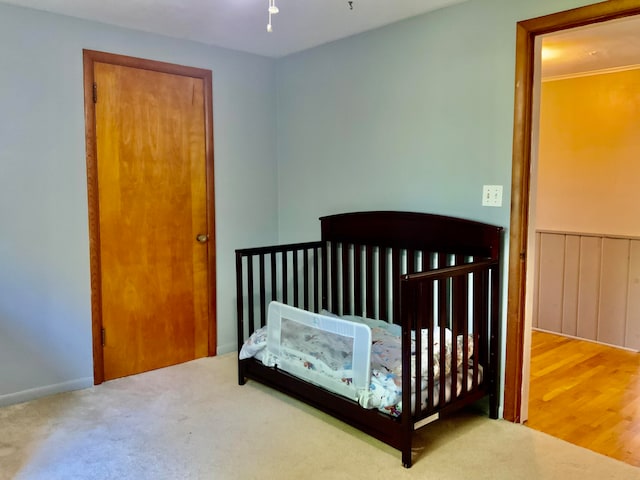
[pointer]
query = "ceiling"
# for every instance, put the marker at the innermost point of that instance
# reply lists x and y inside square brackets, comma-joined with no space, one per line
[302,24]
[242,24]
[609,45]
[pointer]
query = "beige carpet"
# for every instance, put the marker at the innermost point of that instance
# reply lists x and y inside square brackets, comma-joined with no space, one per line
[193,421]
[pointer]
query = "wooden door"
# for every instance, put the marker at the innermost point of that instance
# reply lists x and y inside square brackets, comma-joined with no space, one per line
[153,218]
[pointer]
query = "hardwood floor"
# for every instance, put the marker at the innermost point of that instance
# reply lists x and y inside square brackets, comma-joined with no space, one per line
[587,394]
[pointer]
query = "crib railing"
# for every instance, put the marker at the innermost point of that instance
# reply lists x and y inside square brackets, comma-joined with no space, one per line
[287,273]
[432,289]
[463,299]
[344,278]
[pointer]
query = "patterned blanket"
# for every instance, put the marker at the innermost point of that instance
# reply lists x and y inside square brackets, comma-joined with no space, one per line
[330,354]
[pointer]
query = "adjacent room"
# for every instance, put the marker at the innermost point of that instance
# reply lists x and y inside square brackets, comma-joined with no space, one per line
[585,300]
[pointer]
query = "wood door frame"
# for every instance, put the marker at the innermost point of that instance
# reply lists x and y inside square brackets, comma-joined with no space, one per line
[527,31]
[90,57]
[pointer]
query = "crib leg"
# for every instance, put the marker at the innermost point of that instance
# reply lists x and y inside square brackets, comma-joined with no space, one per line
[406,457]
[241,378]
[493,406]
[406,449]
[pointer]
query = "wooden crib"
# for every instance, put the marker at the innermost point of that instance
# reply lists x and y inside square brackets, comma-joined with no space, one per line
[417,270]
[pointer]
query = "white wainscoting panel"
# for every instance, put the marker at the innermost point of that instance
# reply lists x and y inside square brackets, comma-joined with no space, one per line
[588,286]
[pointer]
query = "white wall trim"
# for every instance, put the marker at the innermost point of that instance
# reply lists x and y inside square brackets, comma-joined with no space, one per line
[34,393]
[603,71]
[588,234]
[227,348]
[560,334]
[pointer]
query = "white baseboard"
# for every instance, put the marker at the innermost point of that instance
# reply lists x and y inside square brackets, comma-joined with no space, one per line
[560,334]
[34,393]
[228,348]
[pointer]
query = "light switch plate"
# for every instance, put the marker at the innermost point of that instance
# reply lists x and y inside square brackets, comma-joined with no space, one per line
[492,195]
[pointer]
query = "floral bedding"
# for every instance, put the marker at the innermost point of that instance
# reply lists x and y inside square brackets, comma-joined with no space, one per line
[329,354]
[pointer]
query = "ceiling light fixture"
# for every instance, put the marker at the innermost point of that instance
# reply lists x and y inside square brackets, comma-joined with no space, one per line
[272,11]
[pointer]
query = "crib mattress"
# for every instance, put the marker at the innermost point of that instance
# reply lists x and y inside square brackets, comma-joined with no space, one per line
[326,359]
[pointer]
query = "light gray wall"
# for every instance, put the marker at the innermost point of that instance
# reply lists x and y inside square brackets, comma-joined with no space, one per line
[45,315]
[414,116]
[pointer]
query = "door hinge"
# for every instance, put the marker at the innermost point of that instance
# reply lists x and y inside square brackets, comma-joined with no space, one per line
[95,92]
[103,337]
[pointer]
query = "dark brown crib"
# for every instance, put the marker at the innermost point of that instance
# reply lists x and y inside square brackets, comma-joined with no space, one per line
[417,270]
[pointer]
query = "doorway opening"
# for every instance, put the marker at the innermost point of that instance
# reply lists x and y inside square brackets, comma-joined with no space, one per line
[518,350]
[583,294]
[527,32]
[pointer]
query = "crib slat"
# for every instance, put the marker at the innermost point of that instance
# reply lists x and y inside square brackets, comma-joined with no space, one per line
[346,275]
[285,291]
[325,276]
[443,306]
[334,278]
[357,280]
[263,300]
[315,280]
[426,261]
[464,331]
[458,305]
[296,302]
[369,282]
[305,273]
[476,340]
[395,269]
[273,276]
[383,284]
[483,320]
[427,296]
[239,301]
[479,316]
[458,312]
[252,325]
[411,261]
[416,326]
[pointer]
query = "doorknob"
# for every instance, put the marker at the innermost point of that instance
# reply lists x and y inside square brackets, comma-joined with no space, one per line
[202,238]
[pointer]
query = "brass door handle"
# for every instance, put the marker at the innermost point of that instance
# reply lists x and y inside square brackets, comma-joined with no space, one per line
[202,238]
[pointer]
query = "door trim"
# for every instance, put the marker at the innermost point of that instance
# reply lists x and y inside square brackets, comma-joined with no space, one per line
[526,34]
[90,57]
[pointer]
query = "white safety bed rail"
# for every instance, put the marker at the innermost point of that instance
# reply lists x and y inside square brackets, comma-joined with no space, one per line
[349,381]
